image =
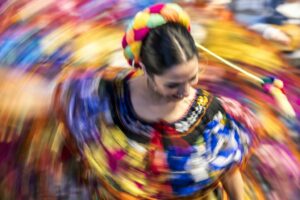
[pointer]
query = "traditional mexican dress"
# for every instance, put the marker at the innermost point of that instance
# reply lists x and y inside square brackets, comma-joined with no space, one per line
[135,159]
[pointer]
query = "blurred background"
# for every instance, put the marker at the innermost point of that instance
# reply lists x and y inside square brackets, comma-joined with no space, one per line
[42,39]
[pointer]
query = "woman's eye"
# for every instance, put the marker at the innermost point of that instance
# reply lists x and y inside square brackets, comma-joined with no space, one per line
[172,86]
[194,78]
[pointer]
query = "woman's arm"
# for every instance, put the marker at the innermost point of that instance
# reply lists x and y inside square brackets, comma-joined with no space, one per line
[233,185]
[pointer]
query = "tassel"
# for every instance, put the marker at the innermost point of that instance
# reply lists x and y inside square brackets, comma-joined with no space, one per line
[275,87]
[272,85]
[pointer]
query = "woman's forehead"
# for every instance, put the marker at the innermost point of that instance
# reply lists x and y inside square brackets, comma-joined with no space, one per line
[182,72]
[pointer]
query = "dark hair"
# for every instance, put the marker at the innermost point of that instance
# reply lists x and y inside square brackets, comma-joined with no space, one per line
[166,46]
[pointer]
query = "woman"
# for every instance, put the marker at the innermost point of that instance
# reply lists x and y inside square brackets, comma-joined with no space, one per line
[149,133]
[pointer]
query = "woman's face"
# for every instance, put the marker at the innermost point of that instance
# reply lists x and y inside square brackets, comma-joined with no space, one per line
[176,83]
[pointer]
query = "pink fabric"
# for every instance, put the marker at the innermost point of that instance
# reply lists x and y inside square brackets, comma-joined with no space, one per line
[124,43]
[156,8]
[140,34]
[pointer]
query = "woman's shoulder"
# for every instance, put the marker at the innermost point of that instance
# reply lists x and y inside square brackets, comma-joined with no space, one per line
[241,113]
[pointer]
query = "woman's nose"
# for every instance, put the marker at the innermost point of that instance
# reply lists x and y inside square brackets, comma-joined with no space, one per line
[184,90]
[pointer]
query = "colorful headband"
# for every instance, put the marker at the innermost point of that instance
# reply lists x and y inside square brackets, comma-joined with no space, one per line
[146,20]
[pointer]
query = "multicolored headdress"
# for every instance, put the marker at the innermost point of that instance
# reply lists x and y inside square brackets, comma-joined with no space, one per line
[146,20]
[160,14]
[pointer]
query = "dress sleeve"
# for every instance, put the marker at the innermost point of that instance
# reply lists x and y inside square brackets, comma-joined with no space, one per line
[227,140]
[77,104]
[82,101]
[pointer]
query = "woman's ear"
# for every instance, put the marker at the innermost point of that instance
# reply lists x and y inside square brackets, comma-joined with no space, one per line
[143,68]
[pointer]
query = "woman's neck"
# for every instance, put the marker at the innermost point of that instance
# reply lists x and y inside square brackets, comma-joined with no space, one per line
[151,106]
